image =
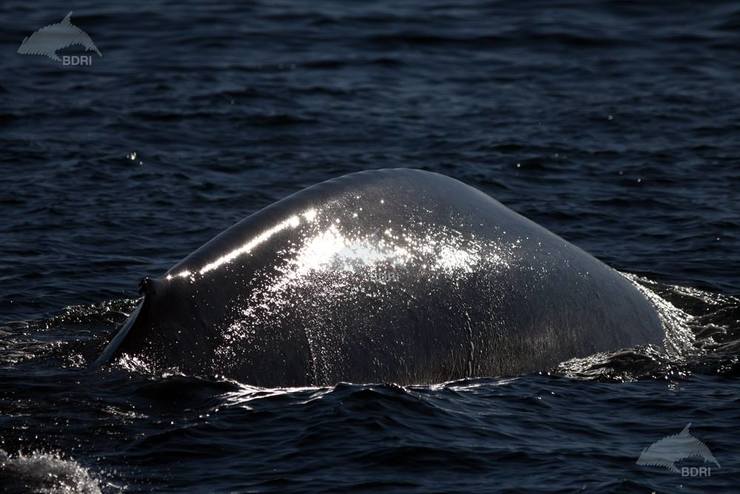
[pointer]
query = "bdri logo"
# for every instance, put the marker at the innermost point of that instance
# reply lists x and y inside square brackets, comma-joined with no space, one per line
[668,451]
[54,37]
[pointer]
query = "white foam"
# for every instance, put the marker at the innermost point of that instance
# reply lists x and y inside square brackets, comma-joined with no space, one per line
[46,473]
[678,335]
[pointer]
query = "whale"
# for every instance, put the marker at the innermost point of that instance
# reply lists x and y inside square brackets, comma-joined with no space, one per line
[393,275]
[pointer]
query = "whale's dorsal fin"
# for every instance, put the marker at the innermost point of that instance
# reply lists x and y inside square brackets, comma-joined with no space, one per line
[67,18]
[110,350]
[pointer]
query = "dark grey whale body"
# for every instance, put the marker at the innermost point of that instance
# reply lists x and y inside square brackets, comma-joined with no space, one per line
[391,275]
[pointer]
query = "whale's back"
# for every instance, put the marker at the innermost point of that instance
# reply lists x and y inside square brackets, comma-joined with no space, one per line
[389,275]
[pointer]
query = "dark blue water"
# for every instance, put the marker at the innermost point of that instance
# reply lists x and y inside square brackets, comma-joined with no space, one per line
[614,125]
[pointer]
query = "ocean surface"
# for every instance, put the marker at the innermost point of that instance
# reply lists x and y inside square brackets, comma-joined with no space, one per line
[615,125]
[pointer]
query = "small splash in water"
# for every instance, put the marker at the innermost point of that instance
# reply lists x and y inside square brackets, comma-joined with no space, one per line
[46,473]
[679,339]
